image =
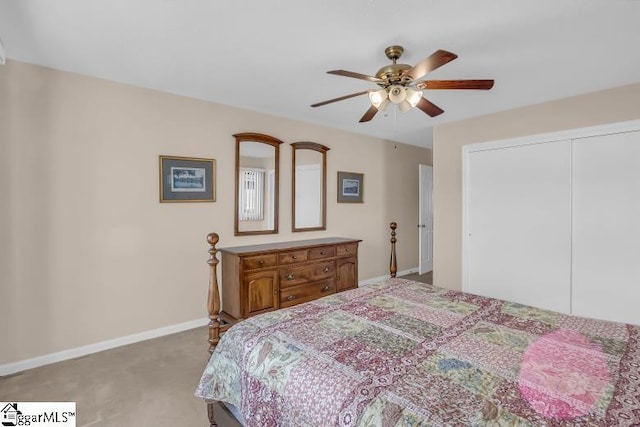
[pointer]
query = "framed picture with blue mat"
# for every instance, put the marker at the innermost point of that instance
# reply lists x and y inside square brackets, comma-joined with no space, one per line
[187,179]
[350,187]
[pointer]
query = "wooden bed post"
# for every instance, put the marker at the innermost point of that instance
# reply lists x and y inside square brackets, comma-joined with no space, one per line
[213,307]
[211,415]
[213,299]
[393,264]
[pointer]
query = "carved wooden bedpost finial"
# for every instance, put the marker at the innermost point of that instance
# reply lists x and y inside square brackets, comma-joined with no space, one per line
[213,300]
[393,264]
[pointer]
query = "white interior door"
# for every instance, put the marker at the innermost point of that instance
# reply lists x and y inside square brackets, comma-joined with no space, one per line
[518,224]
[606,227]
[425,214]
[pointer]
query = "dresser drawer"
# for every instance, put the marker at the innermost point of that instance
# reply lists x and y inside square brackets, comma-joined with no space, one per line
[259,261]
[308,292]
[296,275]
[347,249]
[292,257]
[325,252]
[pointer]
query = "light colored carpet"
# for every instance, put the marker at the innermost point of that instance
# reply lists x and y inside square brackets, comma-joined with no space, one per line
[425,278]
[150,383]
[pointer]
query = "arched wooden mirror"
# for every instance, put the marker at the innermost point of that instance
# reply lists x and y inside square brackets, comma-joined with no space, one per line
[309,172]
[257,163]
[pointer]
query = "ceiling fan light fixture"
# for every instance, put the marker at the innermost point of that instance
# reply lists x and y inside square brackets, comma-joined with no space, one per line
[378,98]
[404,106]
[397,94]
[413,97]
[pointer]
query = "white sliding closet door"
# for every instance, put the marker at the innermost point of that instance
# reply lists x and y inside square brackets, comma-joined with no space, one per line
[518,212]
[606,227]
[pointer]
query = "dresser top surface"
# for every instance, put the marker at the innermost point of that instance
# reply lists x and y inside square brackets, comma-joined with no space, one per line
[279,246]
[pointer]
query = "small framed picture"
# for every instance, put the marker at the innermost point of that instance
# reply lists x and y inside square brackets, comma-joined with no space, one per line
[350,187]
[187,179]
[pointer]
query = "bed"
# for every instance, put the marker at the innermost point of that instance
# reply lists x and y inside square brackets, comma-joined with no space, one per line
[404,353]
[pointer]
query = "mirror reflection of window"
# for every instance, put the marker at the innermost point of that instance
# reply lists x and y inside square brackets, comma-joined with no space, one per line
[251,194]
[256,184]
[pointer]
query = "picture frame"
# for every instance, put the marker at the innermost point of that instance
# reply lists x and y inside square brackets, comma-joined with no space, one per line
[187,179]
[350,187]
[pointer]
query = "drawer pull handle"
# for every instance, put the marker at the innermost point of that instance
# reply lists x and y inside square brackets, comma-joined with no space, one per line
[289,277]
[347,250]
[291,297]
[294,257]
[325,289]
[326,269]
[261,262]
[322,252]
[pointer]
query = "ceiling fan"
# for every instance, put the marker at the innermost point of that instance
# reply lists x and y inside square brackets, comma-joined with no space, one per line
[398,84]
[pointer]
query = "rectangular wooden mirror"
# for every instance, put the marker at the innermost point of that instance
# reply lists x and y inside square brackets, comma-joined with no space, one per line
[309,188]
[257,183]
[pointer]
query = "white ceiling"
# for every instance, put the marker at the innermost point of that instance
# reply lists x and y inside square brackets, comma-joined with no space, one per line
[271,55]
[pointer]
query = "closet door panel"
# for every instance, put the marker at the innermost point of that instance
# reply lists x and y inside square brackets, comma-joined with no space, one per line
[606,227]
[518,202]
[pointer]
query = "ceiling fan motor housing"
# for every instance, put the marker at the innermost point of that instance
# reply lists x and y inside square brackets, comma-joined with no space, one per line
[393,74]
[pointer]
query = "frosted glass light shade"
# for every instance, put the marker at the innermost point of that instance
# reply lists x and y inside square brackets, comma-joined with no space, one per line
[413,97]
[378,98]
[397,94]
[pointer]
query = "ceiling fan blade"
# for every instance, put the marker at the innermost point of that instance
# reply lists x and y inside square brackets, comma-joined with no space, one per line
[355,75]
[455,84]
[429,107]
[369,114]
[436,60]
[320,104]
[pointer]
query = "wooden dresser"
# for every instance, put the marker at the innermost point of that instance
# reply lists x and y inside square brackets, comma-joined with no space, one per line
[261,278]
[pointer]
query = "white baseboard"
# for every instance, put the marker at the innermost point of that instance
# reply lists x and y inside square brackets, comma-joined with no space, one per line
[11,368]
[383,278]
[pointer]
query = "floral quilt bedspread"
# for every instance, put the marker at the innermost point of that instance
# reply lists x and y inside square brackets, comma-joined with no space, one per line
[403,353]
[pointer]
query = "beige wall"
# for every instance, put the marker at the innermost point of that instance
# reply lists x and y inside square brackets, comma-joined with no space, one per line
[88,252]
[609,106]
